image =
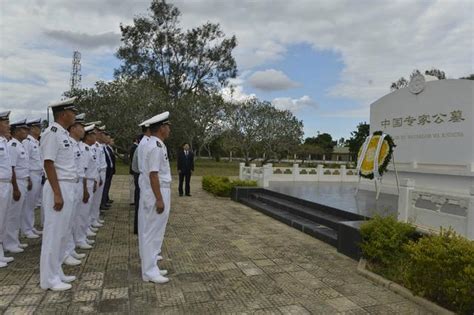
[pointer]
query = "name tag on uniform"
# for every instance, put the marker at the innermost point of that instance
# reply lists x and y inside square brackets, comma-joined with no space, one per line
[66,143]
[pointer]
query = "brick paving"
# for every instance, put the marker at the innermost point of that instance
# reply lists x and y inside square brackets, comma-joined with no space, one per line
[223,258]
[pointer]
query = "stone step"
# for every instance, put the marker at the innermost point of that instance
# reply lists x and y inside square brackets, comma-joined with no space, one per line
[319,231]
[313,213]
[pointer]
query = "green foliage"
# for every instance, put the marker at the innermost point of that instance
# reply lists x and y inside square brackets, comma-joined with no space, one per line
[383,239]
[357,138]
[222,186]
[323,141]
[441,268]
[437,267]
[198,60]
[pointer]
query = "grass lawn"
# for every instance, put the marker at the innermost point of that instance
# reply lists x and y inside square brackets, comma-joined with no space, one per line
[201,168]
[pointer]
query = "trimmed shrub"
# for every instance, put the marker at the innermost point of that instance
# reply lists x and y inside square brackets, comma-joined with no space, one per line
[441,268]
[222,186]
[383,239]
[437,267]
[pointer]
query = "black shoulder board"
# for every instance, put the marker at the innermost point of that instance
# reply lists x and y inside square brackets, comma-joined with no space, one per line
[87,148]
[158,144]
[13,144]
[54,129]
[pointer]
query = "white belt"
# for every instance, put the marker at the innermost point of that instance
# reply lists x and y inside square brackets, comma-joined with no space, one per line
[24,178]
[165,185]
[5,180]
[91,179]
[36,171]
[74,181]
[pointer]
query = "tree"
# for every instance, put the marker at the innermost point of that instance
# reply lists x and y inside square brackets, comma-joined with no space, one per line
[194,61]
[402,82]
[324,141]
[436,73]
[306,149]
[357,138]
[257,128]
[469,77]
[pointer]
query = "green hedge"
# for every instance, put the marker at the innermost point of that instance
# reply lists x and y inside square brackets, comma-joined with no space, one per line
[437,267]
[222,186]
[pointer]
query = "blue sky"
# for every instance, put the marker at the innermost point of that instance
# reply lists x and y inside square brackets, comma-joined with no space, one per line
[325,60]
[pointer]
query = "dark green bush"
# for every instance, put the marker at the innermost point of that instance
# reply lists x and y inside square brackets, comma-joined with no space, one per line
[222,186]
[441,268]
[383,239]
[437,267]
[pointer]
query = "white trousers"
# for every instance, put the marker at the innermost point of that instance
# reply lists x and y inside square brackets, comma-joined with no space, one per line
[55,233]
[97,199]
[32,196]
[11,236]
[151,229]
[83,216]
[6,191]
[131,185]
[78,194]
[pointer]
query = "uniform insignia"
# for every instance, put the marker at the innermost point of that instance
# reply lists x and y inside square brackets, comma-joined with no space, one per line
[87,148]
[14,144]
[158,144]
[54,129]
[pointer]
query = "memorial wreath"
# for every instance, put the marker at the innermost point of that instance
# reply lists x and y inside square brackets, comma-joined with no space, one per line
[384,157]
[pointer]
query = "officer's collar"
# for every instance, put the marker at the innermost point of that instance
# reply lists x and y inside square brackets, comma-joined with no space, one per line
[57,125]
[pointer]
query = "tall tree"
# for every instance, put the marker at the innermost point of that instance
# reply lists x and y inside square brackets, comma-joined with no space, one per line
[358,137]
[257,128]
[324,141]
[469,77]
[193,61]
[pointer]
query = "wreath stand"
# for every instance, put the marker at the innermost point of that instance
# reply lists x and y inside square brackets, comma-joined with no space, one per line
[377,177]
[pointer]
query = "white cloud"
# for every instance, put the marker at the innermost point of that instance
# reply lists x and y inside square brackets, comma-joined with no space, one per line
[271,80]
[378,41]
[294,105]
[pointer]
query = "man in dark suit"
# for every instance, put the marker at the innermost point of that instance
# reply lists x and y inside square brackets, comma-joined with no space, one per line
[185,169]
[133,171]
[110,171]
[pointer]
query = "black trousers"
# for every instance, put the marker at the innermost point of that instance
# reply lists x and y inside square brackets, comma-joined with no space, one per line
[136,198]
[184,176]
[107,183]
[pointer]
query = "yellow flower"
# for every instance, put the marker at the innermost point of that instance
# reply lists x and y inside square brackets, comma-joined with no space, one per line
[367,166]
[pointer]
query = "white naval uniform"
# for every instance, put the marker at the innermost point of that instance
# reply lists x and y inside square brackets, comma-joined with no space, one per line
[102,167]
[139,151]
[33,196]
[84,209]
[152,225]
[19,159]
[78,195]
[6,188]
[56,146]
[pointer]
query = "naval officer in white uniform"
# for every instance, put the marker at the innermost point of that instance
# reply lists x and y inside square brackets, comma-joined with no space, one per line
[20,162]
[31,144]
[58,199]
[155,198]
[6,187]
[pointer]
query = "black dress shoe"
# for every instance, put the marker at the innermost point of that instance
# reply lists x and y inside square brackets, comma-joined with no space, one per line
[104,208]
[181,195]
[110,201]
[189,195]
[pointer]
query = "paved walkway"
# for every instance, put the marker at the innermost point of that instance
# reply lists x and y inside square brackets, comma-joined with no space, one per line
[222,257]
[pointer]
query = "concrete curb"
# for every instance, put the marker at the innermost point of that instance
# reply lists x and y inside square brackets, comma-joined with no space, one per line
[392,286]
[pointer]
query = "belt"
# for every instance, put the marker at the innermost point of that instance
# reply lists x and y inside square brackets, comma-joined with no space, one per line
[24,178]
[92,179]
[5,180]
[36,171]
[74,181]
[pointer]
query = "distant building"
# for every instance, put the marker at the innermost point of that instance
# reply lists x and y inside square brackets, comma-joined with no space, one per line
[341,154]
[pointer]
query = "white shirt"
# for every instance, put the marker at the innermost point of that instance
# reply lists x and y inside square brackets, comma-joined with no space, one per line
[156,160]
[91,170]
[32,147]
[5,162]
[19,159]
[139,152]
[101,162]
[78,158]
[56,146]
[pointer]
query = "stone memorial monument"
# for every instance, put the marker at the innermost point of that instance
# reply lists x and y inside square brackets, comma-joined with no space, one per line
[432,125]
